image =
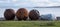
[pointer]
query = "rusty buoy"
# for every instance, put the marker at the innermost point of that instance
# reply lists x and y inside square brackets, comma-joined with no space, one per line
[22,14]
[9,14]
[34,14]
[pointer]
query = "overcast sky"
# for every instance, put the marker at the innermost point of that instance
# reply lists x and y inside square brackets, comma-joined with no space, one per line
[29,3]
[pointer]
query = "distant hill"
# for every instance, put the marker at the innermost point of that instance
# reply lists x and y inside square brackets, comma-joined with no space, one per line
[48,7]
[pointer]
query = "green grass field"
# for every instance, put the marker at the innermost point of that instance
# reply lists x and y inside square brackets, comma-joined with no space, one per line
[29,23]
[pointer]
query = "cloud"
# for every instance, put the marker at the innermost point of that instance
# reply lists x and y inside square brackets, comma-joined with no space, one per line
[54,3]
[14,0]
[38,1]
[29,3]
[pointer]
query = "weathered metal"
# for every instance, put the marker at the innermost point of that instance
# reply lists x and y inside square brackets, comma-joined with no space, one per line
[34,14]
[22,14]
[9,14]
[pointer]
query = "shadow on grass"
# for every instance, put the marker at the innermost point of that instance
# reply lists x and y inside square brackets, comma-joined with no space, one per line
[48,24]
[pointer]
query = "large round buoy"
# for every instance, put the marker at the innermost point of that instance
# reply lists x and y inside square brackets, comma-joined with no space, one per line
[34,15]
[9,14]
[22,14]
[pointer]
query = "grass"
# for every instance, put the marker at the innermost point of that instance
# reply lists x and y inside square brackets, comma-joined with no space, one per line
[29,23]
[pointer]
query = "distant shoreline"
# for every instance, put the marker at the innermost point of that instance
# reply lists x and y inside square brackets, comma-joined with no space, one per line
[48,7]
